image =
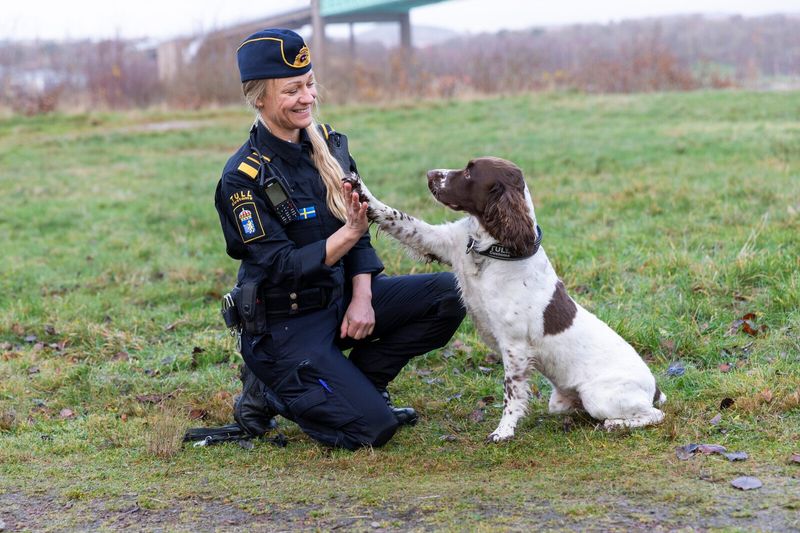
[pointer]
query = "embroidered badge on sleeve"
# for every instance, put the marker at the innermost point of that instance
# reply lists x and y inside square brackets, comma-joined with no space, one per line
[248,221]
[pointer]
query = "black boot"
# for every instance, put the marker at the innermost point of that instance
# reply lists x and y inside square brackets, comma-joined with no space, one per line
[250,408]
[406,416]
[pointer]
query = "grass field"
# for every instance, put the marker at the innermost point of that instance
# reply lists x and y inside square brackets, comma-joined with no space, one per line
[668,215]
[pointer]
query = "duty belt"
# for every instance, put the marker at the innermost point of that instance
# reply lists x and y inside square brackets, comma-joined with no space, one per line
[278,302]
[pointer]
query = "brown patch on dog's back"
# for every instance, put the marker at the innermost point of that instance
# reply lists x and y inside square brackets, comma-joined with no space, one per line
[560,312]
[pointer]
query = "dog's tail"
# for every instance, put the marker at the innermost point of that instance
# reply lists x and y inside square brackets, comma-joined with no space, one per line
[659,398]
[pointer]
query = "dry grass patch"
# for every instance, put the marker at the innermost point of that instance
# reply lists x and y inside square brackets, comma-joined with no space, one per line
[165,433]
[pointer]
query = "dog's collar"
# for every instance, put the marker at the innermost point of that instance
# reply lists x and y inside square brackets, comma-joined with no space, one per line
[498,251]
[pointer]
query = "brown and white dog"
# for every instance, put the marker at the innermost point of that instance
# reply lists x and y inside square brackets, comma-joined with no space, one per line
[517,302]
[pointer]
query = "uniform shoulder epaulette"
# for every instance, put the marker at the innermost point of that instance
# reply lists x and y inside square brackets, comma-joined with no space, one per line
[326,130]
[250,165]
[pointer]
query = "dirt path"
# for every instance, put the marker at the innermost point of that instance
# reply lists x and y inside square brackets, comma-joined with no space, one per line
[733,509]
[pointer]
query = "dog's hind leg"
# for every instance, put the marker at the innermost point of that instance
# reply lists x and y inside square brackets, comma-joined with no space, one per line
[515,394]
[651,417]
[623,405]
[562,403]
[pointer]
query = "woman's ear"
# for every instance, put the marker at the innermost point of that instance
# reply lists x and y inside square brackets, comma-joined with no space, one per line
[506,219]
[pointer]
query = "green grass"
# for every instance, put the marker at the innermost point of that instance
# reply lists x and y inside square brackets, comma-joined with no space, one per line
[667,215]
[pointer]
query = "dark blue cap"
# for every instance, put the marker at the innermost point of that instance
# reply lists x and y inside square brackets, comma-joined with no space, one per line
[273,53]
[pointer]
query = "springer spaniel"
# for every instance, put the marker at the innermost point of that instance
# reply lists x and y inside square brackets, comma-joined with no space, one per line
[517,302]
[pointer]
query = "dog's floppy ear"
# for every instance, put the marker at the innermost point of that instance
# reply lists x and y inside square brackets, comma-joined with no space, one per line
[506,219]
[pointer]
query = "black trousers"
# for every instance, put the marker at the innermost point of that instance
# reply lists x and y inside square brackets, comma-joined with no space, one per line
[334,399]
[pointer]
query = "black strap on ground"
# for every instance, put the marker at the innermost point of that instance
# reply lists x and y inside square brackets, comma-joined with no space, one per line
[229,433]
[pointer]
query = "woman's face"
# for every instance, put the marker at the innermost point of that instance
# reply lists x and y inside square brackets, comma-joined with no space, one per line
[287,106]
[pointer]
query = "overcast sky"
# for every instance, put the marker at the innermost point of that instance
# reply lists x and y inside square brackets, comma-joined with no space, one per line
[161,19]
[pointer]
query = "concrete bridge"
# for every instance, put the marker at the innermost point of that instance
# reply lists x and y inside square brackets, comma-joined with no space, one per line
[318,14]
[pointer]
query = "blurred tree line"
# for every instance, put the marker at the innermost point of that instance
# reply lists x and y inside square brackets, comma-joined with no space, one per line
[662,54]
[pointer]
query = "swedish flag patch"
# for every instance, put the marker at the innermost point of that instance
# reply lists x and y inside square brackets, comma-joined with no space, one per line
[304,213]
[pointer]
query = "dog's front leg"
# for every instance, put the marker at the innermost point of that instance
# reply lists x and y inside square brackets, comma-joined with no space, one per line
[429,242]
[515,393]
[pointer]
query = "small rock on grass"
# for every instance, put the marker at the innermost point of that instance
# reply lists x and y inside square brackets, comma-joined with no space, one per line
[736,456]
[676,369]
[747,483]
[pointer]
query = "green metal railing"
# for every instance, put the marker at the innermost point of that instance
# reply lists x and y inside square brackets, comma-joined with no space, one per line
[344,7]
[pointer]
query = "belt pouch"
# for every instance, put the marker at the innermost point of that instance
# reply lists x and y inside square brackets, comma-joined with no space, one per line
[253,310]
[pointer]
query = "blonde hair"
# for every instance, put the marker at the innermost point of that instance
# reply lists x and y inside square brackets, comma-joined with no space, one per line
[328,167]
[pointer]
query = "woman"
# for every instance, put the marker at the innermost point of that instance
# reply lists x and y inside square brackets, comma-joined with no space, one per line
[310,280]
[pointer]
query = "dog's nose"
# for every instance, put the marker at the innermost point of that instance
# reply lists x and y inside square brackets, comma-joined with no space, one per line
[434,175]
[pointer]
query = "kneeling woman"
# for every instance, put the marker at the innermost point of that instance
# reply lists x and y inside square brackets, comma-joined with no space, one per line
[319,284]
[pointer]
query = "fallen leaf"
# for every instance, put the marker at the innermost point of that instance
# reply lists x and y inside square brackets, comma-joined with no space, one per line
[747,483]
[668,345]
[485,370]
[30,339]
[33,370]
[766,394]
[746,324]
[795,458]
[222,395]
[5,346]
[198,414]
[454,397]
[716,420]
[492,358]
[477,416]
[8,356]
[433,381]
[121,356]
[486,400]
[726,403]
[736,456]
[448,438]
[676,369]
[684,453]
[457,344]
[708,449]
[38,347]
[725,367]
[66,413]
[17,330]
[123,417]
[49,329]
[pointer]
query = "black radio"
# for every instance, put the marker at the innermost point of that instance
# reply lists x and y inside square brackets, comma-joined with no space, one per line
[278,197]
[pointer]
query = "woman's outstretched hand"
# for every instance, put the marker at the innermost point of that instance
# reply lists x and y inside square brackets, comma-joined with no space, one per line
[356,210]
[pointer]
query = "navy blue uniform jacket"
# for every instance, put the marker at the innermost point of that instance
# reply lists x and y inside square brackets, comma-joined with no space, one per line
[290,257]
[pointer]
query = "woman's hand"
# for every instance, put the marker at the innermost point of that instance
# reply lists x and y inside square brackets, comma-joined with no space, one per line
[356,225]
[359,320]
[356,210]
